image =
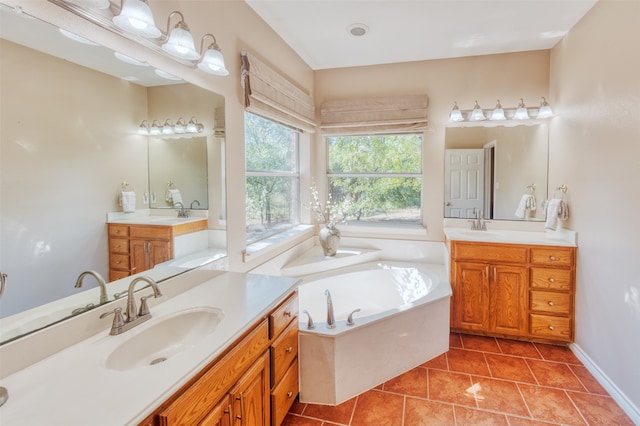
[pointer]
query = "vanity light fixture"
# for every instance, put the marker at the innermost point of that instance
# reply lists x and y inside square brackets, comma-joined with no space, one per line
[497,113]
[212,61]
[94,4]
[545,110]
[136,17]
[167,128]
[179,127]
[156,128]
[521,112]
[456,114]
[477,114]
[143,129]
[180,43]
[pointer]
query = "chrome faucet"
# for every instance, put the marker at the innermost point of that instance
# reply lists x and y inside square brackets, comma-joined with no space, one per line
[182,212]
[478,224]
[196,202]
[331,320]
[101,283]
[132,318]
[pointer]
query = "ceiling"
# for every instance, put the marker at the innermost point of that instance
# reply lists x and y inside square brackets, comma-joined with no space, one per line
[416,30]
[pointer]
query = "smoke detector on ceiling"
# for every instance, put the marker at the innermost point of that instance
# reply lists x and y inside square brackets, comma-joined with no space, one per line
[358,30]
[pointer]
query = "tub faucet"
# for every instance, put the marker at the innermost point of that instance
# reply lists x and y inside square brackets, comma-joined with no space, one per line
[101,283]
[331,320]
[310,324]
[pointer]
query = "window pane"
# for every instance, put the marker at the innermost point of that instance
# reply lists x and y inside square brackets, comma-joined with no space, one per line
[271,205]
[269,146]
[375,154]
[373,199]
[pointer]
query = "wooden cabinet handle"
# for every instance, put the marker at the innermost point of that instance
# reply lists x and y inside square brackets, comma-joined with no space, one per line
[551,303]
[286,313]
[551,328]
[552,280]
[241,399]
[289,394]
[289,349]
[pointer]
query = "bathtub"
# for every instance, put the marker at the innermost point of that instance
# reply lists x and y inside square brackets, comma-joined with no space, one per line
[403,322]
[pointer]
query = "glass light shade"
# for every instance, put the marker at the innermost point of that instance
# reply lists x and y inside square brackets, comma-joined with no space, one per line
[456,114]
[180,44]
[167,129]
[129,60]
[212,62]
[76,37]
[136,17]
[545,110]
[497,113]
[477,114]
[179,127]
[191,126]
[521,112]
[166,75]
[142,130]
[155,128]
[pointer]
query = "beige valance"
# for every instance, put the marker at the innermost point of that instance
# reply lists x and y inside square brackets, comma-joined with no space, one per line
[269,94]
[389,114]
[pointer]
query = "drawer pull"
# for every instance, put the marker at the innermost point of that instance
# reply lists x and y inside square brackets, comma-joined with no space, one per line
[551,303]
[286,313]
[552,280]
[289,394]
[289,349]
[552,258]
[551,328]
[117,262]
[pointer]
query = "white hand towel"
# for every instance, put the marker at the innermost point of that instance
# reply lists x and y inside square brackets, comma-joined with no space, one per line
[174,196]
[522,206]
[128,201]
[556,210]
[531,203]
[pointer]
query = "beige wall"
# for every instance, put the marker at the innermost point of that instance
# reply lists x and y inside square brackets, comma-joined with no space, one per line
[595,151]
[506,77]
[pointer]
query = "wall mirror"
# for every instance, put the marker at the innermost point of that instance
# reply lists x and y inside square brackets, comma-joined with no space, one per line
[498,171]
[69,138]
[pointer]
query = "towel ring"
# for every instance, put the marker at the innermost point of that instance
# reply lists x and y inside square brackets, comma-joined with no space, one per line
[124,185]
[170,185]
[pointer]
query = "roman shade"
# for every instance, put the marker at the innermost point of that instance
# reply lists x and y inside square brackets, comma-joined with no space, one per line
[379,115]
[271,95]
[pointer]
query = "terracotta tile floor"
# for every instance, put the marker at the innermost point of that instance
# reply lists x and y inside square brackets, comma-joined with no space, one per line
[479,381]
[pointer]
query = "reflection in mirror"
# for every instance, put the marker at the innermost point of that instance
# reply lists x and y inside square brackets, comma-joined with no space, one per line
[500,172]
[178,172]
[68,141]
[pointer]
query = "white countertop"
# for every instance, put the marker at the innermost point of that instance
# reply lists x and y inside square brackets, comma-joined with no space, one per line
[556,238]
[159,217]
[74,387]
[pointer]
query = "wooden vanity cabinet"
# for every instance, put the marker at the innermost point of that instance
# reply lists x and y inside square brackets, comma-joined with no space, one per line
[513,290]
[137,248]
[238,388]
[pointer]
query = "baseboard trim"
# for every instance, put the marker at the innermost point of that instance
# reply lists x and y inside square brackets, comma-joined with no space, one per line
[627,406]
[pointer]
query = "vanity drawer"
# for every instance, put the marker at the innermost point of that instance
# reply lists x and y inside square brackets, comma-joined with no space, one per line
[548,301]
[283,351]
[151,232]
[118,245]
[547,326]
[553,279]
[556,256]
[119,261]
[282,316]
[490,252]
[283,395]
[118,230]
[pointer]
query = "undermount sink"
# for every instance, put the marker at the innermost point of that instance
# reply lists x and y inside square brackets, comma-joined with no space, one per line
[481,234]
[165,338]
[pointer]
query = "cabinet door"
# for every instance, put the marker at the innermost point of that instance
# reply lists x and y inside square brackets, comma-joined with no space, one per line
[471,296]
[139,256]
[220,415]
[160,251]
[251,395]
[508,299]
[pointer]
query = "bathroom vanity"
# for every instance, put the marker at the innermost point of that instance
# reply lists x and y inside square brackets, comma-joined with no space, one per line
[138,245]
[512,284]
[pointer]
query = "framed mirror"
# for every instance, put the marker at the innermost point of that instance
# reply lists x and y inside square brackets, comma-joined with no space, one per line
[69,139]
[500,172]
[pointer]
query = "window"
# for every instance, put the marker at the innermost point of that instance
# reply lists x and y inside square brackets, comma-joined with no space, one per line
[272,177]
[378,176]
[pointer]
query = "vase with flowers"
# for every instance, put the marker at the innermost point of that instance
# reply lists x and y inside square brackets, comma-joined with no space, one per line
[329,215]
